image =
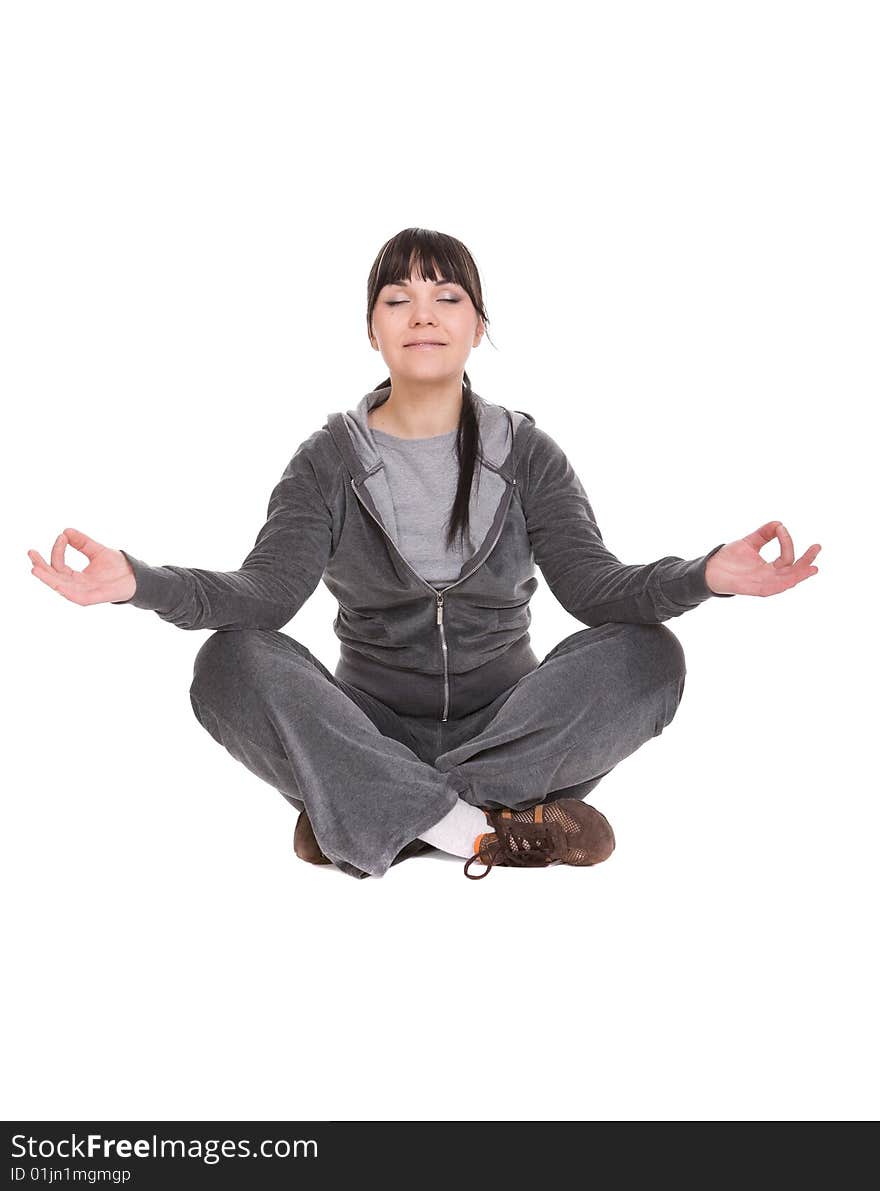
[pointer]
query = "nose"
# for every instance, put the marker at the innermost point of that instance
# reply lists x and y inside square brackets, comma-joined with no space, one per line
[422,312]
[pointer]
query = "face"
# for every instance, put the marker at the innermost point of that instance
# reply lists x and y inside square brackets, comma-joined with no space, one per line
[425,311]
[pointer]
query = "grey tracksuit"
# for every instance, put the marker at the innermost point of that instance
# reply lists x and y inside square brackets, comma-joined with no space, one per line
[437,693]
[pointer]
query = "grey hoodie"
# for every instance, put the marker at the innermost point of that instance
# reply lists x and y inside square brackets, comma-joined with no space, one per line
[424,650]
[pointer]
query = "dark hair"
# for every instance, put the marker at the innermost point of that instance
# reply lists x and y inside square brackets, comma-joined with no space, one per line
[430,255]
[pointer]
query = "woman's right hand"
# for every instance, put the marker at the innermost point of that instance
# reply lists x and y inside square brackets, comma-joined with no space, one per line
[107,579]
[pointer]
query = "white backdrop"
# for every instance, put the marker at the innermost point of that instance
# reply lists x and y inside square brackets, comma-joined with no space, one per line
[674,211]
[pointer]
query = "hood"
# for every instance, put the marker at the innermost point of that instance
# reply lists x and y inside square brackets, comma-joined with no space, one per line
[493,475]
[495,422]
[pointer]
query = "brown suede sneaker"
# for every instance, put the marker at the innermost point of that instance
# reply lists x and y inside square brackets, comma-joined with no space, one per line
[306,846]
[304,843]
[566,830]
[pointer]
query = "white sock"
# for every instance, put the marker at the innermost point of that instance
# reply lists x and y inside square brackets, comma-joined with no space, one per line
[457,831]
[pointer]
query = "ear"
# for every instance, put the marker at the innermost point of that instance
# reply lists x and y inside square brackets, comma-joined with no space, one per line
[479,333]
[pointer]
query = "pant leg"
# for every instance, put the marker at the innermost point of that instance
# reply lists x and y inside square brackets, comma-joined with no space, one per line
[322,743]
[594,699]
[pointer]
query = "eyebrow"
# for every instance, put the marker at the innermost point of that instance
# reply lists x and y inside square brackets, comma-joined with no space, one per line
[442,281]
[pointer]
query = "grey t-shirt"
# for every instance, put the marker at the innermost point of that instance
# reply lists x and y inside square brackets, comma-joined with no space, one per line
[422,474]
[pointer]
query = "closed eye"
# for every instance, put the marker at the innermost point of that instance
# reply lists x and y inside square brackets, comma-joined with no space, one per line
[400,301]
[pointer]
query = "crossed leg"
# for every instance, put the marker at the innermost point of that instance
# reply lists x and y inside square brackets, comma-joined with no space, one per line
[354,764]
[595,698]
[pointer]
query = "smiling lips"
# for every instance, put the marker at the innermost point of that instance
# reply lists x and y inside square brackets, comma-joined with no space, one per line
[425,344]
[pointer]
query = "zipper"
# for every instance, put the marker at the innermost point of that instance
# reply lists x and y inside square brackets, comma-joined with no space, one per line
[443,646]
[439,595]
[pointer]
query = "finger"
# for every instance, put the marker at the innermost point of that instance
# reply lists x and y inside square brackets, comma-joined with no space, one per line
[802,566]
[82,542]
[809,555]
[786,547]
[790,576]
[60,583]
[38,560]
[58,562]
[762,536]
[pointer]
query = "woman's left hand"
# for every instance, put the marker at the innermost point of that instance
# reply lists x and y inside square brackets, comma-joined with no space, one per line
[739,569]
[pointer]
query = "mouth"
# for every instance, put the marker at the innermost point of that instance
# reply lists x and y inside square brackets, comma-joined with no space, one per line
[426,346]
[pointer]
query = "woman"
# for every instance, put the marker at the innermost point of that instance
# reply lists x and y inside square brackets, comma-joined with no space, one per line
[425,509]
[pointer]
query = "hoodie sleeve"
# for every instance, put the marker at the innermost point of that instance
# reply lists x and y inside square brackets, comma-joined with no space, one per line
[274,581]
[588,580]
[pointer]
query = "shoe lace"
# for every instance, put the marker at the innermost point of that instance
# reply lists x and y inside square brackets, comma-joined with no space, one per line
[518,848]
[477,876]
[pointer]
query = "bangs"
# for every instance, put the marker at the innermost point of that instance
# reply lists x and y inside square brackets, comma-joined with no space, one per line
[427,255]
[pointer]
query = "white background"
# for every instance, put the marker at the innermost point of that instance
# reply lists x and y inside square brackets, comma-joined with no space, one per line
[674,210]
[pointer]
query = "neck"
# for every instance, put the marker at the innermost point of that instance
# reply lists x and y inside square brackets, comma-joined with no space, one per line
[420,411]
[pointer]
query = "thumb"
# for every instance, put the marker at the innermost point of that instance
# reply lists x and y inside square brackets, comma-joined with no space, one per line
[82,542]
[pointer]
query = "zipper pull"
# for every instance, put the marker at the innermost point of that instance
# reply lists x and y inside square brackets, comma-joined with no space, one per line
[439,609]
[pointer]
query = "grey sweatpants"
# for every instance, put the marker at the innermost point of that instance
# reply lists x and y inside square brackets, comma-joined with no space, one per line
[372,779]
